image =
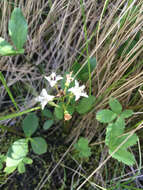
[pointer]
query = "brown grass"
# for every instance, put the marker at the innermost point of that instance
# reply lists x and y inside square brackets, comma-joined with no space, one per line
[55,41]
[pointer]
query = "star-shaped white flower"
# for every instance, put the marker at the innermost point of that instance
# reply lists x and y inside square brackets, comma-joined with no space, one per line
[78,91]
[44,98]
[53,79]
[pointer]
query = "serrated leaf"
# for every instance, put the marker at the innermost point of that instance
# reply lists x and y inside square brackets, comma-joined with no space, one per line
[59,112]
[84,74]
[114,130]
[18,28]
[126,113]
[85,104]
[48,124]
[47,113]
[105,116]
[130,142]
[109,133]
[27,160]
[85,154]
[119,126]
[124,156]
[9,170]
[115,105]
[82,148]
[39,145]
[30,124]
[21,167]
[82,143]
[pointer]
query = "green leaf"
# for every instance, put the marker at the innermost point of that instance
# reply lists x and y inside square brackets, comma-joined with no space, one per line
[39,145]
[82,148]
[124,156]
[5,48]
[84,74]
[70,109]
[18,28]
[27,160]
[2,159]
[126,113]
[115,105]
[30,124]
[21,167]
[105,116]
[122,153]
[85,104]
[15,156]
[109,134]
[18,149]
[16,152]
[1,165]
[113,131]
[9,170]
[48,124]
[130,142]
[47,113]
[59,112]
[119,127]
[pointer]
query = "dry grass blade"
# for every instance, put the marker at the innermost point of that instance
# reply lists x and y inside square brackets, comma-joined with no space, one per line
[56,39]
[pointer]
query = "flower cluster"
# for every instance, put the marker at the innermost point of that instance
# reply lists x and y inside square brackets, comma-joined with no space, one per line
[44,98]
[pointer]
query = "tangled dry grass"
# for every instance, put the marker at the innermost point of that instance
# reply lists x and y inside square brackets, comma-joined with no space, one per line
[56,39]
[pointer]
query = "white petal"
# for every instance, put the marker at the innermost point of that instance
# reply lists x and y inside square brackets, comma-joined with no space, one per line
[76,84]
[53,75]
[53,83]
[47,78]
[43,104]
[44,98]
[84,94]
[49,98]
[44,92]
[59,78]
[77,97]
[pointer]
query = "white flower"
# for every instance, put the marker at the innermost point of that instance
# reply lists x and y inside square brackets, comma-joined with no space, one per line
[78,91]
[44,98]
[52,79]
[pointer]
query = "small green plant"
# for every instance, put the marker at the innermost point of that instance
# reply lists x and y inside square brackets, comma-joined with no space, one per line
[17,29]
[17,154]
[64,102]
[82,149]
[115,118]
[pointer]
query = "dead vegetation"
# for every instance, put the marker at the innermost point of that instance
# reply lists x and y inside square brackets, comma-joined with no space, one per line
[56,39]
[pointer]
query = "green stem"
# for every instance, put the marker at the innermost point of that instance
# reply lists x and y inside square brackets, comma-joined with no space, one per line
[8,90]
[13,115]
[87,52]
